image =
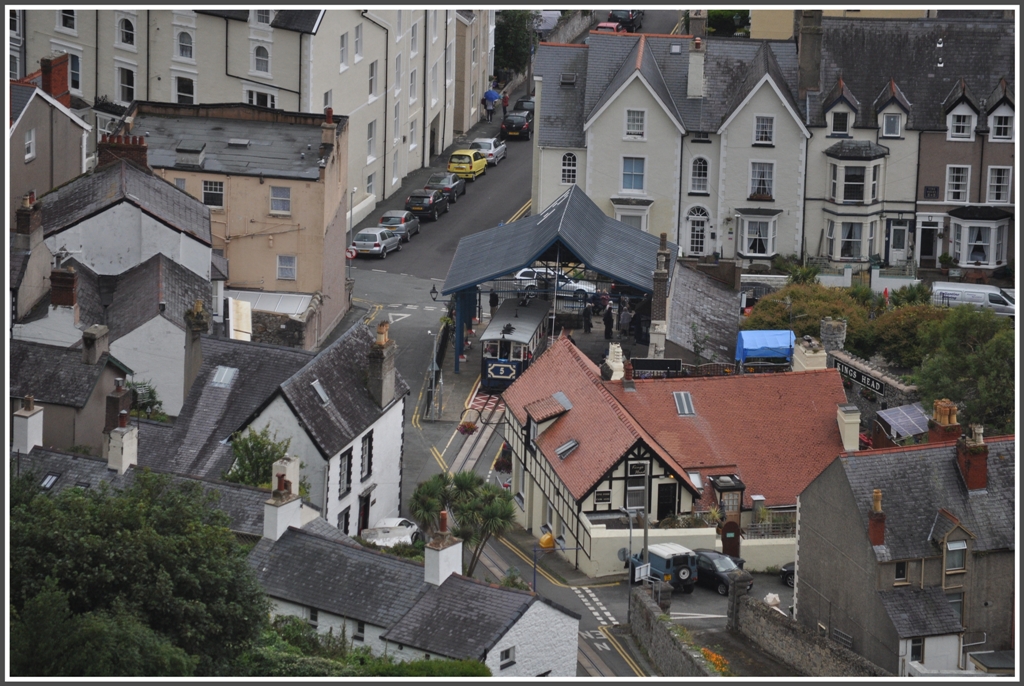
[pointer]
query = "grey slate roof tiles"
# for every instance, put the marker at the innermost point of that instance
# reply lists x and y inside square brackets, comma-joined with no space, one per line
[218,267]
[53,374]
[303,21]
[916,482]
[561,116]
[118,182]
[920,612]
[340,369]
[20,95]
[849,149]
[698,300]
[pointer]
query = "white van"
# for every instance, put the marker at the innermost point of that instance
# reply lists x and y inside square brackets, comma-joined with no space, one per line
[999,300]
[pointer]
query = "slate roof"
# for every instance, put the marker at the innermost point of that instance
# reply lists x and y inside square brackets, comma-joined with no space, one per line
[218,267]
[849,149]
[276,150]
[697,299]
[870,52]
[55,375]
[917,481]
[17,264]
[560,121]
[916,612]
[463,618]
[357,583]
[639,60]
[211,414]
[779,430]
[121,181]
[20,95]
[303,21]
[243,504]
[237,15]
[573,224]
[601,426]
[341,369]
[320,527]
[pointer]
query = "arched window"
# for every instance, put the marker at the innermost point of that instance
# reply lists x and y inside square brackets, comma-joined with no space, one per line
[185,45]
[127,31]
[262,59]
[699,175]
[698,218]
[568,168]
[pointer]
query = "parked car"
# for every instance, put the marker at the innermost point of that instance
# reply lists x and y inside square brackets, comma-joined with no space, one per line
[402,222]
[533,279]
[788,574]
[670,562]
[517,125]
[448,183]
[427,203]
[391,531]
[377,241]
[493,149]
[610,27]
[525,105]
[631,20]
[718,571]
[950,294]
[468,164]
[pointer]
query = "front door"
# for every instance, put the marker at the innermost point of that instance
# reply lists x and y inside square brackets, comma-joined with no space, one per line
[731,538]
[929,240]
[666,500]
[364,513]
[698,235]
[898,242]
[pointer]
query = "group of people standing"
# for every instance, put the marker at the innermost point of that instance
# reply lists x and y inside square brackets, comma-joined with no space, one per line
[601,304]
[488,102]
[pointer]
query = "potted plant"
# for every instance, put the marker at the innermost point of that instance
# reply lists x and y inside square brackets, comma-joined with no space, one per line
[946,260]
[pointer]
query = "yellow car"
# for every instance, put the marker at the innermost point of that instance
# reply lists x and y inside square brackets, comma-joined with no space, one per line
[467,164]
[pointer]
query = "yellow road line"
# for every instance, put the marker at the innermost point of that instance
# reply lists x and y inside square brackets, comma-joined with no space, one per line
[618,648]
[540,570]
[472,392]
[520,212]
[496,456]
[439,458]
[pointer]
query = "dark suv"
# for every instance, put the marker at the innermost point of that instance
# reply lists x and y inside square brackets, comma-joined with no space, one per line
[670,562]
[631,20]
[427,203]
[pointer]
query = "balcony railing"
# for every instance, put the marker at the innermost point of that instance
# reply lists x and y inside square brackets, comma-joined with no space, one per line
[770,530]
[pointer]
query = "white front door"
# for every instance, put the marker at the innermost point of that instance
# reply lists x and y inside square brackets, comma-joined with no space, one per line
[698,235]
[897,242]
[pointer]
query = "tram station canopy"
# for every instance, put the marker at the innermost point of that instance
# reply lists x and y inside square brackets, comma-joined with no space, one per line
[571,230]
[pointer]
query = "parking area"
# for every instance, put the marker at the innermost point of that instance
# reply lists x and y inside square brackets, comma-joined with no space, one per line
[705,609]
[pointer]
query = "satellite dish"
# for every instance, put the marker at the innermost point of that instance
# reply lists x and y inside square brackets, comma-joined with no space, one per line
[623,554]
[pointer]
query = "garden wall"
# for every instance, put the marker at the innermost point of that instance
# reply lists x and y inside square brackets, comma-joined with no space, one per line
[656,634]
[882,390]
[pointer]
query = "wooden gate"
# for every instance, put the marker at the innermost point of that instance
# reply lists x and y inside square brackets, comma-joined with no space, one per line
[731,539]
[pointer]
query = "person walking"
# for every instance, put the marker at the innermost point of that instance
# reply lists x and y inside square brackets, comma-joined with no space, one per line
[609,322]
[625,317]
[504,105]
[493,302]
[490,109]
[588,318]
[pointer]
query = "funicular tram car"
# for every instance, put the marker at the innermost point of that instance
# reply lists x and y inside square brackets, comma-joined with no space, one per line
[513,338]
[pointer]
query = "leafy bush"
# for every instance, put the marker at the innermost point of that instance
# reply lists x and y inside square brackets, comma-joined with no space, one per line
[914,294]
[424,668]
[255,453]
[897,333]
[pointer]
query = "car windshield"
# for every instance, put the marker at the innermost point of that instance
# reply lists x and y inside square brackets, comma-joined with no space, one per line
[515,120]
[390,221]
[619,15]
[1008,297]
[438,179]
[480,146]
[724,564]
[366,237]
[460,159]
[419,197]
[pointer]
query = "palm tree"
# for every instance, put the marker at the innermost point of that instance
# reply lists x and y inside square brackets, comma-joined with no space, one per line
[429,498]
[490,513]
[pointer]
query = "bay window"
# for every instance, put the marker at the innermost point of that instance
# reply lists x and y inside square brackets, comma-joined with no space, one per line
[978,244]
[757,236]
[853,185]
[850,240]
[874,183]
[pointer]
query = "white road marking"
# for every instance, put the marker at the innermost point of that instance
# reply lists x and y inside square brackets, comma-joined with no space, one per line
[380,271]
[394,317]
[412,307]
[695,615]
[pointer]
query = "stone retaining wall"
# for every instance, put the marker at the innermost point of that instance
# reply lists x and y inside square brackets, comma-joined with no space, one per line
[571,26]
[277,329]
[656,634]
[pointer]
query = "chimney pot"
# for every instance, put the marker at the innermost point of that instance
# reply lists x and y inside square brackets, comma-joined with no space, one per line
[330,115]
[122,419]
[28,402]
[627,371]
[876,497]
[442,527]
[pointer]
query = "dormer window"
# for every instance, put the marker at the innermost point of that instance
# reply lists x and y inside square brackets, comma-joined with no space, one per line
[960,123]
[961,126]
[841,123]
[1000,124]
[891,125]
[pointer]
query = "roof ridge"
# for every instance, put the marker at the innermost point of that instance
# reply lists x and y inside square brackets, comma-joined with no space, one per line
[640,51]
[348,546]
[923,446]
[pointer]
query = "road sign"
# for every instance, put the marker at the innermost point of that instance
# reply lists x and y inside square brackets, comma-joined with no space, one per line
[641,572]
[351,253]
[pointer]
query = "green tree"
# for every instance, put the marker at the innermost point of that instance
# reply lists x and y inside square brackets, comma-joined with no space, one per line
[726,22]
[158,550]
[255,454]
[972,365]
[897,334]
[145,401]
[801,307]
[515,32]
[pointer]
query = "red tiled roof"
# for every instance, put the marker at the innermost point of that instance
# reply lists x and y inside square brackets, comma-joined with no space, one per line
[600,425]
[544,409]
[777,432]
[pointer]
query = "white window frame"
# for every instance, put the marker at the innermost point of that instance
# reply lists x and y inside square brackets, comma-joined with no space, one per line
[343,52]
[371,141]
[177,89]
[211,186]
[769,239]
[371,184]
[119,84]
[366,456]
[700,184]
[414,39]
[397,127]
[750,176]
[832,120]
[569,168]
[830,237]
[357,43]
[643,175]
[961,110]
[757,138]
[394,168]
[119,42]
[251,93]
[254,69]
[872,227]
[1007,188]
[345,474]
[398,22]
[642,215]
[876,171]
[888,117]
[399,75]
[633,135]
[69,30]
[952,546]
[412,135]
[507,656]
[14,15]
[30,145]
[698,245]
[412,86]
[958,196]
[373,81]
[284,268]
[1002,111]
[472,52]
[257,15]
[14,70]
[833,182]
[280,200]
[857,242]
[191,47]
[850,185]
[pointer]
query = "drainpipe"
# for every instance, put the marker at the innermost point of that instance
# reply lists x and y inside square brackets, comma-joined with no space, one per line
[962,662]
[96,83]
[426,109]
[227,32]
[917,224]
[387,64]
[681,220]
[148,44]
[444,106]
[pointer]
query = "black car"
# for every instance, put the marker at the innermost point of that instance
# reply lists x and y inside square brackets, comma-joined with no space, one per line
[427,203]
[525,104]
[718,571]
[450,184]
[517,125]
[788,574]
[631,20]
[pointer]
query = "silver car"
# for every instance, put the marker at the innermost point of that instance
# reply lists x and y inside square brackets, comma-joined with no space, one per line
[402,222]
[377,241]
[492,148]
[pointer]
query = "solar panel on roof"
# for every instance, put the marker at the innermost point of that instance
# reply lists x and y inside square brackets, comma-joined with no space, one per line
[905,420]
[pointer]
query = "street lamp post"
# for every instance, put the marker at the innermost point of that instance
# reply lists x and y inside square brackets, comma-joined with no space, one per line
[629,563]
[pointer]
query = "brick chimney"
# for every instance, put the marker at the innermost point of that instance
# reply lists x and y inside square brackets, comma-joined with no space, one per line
[876,519]
[809,52]
[698,22]
[197,322]
[64,287]
[95,342]
[329,128]
[54,74]
[943,427]
[381,376]
[284,509]
[118,400]
[848,417]
[131,148]
[122,445]
[972,457]
[442,557]
[27,429]
[28,221]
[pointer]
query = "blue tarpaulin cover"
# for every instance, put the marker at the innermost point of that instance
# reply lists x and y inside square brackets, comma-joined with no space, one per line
[764,344]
